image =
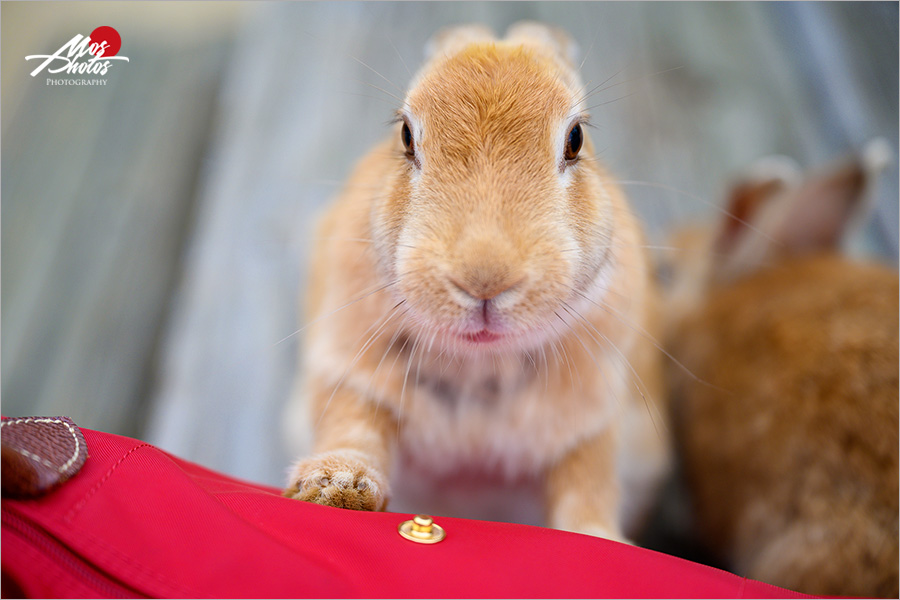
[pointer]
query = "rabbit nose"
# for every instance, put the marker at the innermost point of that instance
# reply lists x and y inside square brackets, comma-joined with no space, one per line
[485,265]
[486,283]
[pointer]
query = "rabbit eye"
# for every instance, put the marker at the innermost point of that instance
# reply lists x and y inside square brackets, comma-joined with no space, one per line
[406,136]
[573,142]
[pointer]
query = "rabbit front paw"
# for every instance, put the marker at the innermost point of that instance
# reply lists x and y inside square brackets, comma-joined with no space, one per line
[340,478]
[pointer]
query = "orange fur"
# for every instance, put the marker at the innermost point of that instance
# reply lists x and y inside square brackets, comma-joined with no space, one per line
[487,210]
[788,428]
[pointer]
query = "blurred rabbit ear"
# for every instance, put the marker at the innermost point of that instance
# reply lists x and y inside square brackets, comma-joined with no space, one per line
[759,187]
[831,203]
[531,33]
[828,203]
[775,214]
[451,40]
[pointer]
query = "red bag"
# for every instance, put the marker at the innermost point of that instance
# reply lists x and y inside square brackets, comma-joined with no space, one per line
[137,521]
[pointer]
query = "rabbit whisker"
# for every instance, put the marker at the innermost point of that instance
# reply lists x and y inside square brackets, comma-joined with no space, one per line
[608,309]
[384,354]
[409,361]
[591,355]
[391,83]
[701,200]
[636,380]
[370,96]
[354,301]
[390,315]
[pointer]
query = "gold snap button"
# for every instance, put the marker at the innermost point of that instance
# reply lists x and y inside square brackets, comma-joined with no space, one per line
[422,529]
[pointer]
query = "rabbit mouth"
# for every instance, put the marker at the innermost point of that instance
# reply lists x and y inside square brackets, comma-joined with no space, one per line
[482,337]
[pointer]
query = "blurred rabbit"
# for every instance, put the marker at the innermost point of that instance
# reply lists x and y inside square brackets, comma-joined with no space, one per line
[787,423]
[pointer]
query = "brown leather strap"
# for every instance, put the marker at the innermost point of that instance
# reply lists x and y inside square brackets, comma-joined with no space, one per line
[39,453]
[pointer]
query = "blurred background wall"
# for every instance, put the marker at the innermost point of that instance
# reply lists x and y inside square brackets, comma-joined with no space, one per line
[154,230]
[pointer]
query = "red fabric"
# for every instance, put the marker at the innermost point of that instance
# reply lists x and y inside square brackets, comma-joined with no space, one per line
[139,522]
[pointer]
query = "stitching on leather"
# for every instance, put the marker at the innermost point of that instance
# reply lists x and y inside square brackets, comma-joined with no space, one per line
[37,458]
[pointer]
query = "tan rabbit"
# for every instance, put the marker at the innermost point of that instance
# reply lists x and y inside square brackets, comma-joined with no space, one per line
[788,424]
[480,303]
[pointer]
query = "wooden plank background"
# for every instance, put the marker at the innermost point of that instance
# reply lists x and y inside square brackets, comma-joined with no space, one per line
[149,276]
[97,191]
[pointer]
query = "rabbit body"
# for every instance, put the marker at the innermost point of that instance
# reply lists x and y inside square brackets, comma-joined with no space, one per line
[794,466]
[481,304]
[788,426]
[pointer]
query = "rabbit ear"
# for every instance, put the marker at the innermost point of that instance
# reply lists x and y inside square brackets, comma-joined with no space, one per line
[741,241]
[531,33]
[764,181]
[452,39]
[773,213]
[831,203]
